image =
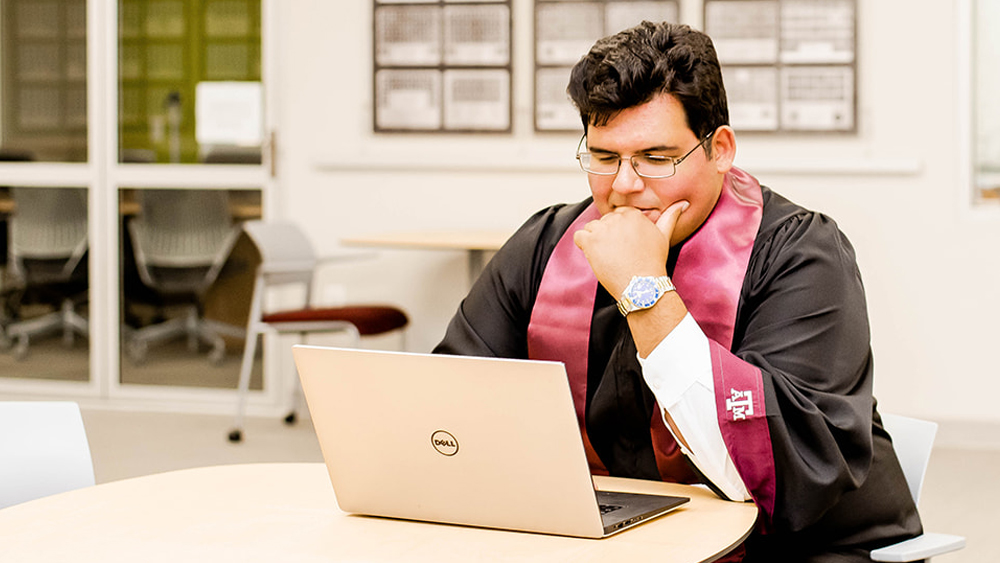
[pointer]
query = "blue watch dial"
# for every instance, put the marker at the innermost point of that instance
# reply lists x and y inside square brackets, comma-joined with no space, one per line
[644,292]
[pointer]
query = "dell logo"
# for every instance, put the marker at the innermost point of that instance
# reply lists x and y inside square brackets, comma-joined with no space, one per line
[444,443]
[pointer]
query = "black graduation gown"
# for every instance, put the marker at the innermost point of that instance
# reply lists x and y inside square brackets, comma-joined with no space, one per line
[802,320]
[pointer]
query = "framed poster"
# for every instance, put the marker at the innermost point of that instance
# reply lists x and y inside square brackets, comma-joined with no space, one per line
[564,32]
[788,65]
[442,66]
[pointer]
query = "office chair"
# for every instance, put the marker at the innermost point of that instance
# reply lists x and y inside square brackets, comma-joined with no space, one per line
[181,240]
[913,440]
[44,450]
[287,257]
[47,250]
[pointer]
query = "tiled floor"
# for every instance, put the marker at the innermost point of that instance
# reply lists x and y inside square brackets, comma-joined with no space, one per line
[961,491]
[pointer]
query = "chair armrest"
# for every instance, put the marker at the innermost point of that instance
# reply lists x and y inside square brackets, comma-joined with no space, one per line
[920,547]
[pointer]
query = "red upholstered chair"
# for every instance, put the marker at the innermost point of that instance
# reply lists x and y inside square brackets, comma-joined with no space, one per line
[287,257]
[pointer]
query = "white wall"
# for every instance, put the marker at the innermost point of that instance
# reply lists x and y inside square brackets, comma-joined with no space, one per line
[929,260]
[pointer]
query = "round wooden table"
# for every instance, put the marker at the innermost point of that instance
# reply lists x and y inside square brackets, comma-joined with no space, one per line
[288,512]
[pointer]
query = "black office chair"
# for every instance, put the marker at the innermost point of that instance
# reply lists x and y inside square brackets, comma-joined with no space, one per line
[48,247]
[181,240]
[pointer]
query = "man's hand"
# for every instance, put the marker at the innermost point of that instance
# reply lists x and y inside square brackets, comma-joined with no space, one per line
[625,243]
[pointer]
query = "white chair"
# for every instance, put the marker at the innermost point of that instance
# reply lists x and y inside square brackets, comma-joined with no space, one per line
[288,258]
[48,248]
[913,440]
[181,240]
[43,450]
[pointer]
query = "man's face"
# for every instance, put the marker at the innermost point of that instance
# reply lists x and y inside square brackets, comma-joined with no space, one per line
[656,127]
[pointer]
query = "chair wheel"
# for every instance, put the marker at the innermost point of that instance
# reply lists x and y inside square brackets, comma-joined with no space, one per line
[291,418]
[236,435]
[218,353]
[21,347]
[136,351]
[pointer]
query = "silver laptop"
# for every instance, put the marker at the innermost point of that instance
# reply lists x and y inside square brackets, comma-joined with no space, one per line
[460,440]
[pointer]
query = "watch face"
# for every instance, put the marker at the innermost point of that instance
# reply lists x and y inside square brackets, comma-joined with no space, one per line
[644,292]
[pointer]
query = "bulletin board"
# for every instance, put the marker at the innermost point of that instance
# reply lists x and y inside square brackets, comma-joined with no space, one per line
[442,66]
[788,65]
[446,65]
[564,32]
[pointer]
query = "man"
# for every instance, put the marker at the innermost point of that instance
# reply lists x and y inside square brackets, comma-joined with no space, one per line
[712,330]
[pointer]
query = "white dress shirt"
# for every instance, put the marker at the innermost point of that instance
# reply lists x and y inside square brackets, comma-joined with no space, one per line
[679,372]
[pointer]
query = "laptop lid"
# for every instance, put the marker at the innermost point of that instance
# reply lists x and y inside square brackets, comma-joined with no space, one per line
[453,439]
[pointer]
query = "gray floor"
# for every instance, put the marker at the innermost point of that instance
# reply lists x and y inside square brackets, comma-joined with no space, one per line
[166,363]
[961,492]
[130,444]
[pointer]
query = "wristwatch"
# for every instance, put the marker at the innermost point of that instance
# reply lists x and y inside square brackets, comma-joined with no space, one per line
[643,292]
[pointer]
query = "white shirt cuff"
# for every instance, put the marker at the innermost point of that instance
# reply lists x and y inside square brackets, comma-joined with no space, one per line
[679,373]
[681,360]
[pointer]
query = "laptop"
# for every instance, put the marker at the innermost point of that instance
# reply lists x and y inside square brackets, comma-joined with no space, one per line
[460,440]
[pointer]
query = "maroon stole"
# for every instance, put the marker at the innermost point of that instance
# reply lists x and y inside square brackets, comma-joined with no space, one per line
[709,275]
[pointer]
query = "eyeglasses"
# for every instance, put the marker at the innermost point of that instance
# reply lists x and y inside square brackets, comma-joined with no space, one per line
[653,166]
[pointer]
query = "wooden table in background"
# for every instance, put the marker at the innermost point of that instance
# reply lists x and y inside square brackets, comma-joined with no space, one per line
[476,243]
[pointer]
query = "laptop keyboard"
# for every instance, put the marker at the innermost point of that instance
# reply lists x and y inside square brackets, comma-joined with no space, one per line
[606,508]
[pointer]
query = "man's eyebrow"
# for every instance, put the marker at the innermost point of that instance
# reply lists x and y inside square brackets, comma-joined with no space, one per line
[658,148]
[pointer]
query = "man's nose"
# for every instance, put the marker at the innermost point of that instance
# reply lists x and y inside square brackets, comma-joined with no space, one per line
[627,180]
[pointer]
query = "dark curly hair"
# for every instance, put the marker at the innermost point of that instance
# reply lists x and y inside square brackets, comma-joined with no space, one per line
[633,66]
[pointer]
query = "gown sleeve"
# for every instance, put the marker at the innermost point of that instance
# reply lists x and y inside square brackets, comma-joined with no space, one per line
[802,322]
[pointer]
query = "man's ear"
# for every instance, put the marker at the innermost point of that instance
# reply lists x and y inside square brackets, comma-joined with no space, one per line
[724,148]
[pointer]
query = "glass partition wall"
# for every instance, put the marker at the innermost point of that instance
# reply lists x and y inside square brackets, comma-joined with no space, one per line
[117,115]
[187,276]
[44,80]
[189,86]
[45,287]
[184,67]
[44,229]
